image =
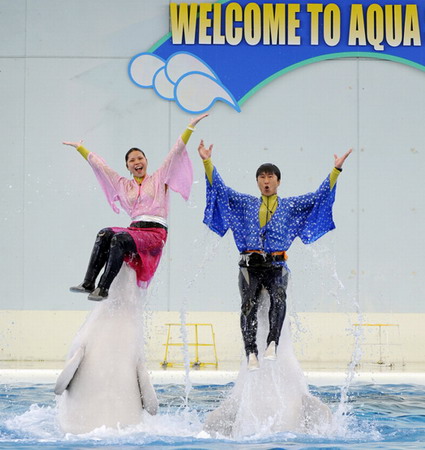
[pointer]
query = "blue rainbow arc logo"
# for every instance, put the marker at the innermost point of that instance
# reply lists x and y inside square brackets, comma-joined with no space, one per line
[227,51]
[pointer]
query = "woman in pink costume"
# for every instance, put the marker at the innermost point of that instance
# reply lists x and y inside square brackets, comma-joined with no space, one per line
[145,198]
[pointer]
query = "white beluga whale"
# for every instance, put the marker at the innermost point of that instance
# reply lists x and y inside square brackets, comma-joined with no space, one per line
[270,400]
[105,381]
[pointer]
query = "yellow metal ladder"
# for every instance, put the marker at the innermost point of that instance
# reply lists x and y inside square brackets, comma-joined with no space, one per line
[384,342]
[196,363]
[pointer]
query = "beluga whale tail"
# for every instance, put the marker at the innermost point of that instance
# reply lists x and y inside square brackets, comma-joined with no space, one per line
[105,381]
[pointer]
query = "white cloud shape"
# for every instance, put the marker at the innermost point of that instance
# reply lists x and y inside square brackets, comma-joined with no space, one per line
[183,78]
[197,92]
[162,85]
[143,67]
[181,64]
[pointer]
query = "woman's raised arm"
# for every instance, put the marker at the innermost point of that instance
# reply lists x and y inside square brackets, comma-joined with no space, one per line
[82,150]
[191,128]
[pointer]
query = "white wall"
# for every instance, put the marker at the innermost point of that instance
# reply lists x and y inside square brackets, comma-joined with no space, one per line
[63,76]
[322,340]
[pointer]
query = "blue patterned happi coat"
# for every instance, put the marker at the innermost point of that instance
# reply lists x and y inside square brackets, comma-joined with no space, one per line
[306,216]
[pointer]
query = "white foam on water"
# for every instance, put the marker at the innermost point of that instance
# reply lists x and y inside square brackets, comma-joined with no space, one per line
[40,423]
[37,423]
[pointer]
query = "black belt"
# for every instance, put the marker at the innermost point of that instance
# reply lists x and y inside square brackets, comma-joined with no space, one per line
[143,224]
[259,259]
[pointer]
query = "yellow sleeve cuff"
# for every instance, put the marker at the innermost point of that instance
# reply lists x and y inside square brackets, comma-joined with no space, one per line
[209,168]
[333,176]
[83,151]
[186,134]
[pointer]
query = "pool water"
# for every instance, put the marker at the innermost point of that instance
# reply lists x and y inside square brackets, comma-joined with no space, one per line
[375,416]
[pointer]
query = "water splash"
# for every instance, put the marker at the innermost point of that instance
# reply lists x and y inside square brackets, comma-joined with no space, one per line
[383,416]
[343,424]
[210,248]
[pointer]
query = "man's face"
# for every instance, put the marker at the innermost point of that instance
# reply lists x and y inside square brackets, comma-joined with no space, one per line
[268,183]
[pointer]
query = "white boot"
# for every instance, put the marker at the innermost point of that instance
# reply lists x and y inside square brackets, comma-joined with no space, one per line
[253,362]
[271,351]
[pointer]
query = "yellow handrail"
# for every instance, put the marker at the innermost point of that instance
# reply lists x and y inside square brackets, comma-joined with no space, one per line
[197,364]
[380,343]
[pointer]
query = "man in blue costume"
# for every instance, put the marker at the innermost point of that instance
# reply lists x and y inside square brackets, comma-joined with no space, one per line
[263,229]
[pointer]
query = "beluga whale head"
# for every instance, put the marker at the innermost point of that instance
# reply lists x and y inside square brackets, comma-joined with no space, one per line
[105,381]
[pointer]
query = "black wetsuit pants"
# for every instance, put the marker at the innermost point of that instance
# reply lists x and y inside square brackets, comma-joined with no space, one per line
[109,250]
[251,282]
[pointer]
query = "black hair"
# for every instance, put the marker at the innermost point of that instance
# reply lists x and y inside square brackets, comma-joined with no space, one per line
[133,149]
[268,168]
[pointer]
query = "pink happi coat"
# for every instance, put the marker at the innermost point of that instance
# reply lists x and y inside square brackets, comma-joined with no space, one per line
[149,198]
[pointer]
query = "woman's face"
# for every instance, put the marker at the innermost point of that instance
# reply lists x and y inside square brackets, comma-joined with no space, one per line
[137,164]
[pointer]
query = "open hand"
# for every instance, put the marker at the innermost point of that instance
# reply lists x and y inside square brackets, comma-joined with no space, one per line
[73,144]
[204,153]
[339,160]
[195,121]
